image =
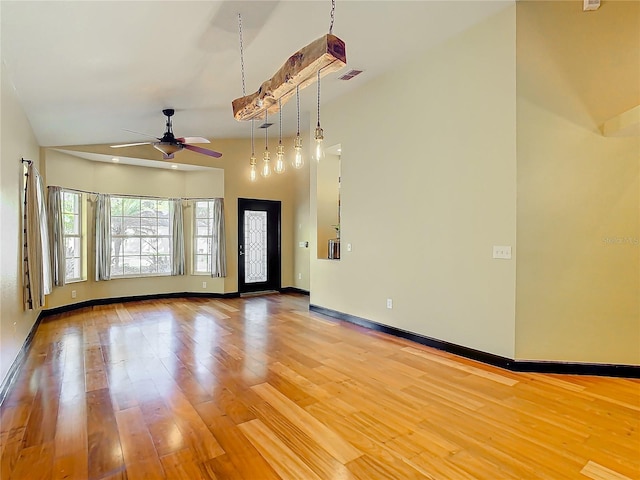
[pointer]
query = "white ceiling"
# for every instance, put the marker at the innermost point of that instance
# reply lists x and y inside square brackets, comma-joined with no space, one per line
[86,70]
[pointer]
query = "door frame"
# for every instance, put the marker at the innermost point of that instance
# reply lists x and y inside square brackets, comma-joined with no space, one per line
[274,247]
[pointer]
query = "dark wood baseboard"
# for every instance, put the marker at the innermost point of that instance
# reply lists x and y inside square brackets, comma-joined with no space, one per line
[294,290]
[136,298]
[572,368]
[14,370]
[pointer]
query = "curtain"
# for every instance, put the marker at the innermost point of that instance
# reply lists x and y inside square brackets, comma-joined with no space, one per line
[177,237]
[37,272]
[218,243]
[103,237]
[56,235]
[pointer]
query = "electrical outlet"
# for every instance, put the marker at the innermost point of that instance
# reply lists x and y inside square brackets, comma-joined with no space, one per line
[204,284]
[503,252]
[299,276]
[389,303]
[73,294]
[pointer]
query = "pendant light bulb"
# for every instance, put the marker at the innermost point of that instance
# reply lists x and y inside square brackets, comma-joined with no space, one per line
[253,174]
[266,164]
[319,151]
[280,167]
[298,161]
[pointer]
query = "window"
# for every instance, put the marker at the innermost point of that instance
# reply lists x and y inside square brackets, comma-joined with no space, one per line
[73,240]
[140,237]
[203,236]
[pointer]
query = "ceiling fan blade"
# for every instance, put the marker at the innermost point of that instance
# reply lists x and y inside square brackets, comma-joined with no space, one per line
[139,133]
[130,144]
[204,151]
[192,140]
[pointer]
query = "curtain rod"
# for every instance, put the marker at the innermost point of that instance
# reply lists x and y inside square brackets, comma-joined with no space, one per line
[130,196]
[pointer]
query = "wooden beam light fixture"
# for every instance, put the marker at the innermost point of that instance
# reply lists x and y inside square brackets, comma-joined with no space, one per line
[325,55]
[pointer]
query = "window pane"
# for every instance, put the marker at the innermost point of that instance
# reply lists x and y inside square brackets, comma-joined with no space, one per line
[202,209]
[68,222]
[164,246]
[131,246]
[117,266]
[116,207]
[202,263]
[131,207]
[73,269]
[148,264]
[149,245]
[148,208]
[72,246]
[131,265]
[164,264]
[202,245]
[131,225]
[116,226]
[163,208]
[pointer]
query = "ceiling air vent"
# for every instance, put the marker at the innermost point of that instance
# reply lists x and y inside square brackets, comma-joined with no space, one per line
[352,73]
[590,5]
[265,125]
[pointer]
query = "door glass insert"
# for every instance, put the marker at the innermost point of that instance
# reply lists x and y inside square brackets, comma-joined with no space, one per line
[255,242]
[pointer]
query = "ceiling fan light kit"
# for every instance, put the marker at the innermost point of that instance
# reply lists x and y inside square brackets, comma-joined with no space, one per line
[168,144]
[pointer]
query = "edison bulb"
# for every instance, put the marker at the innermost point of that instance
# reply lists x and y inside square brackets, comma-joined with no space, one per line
[298,162]
[279,168]
[319,150]
[253,174]
[266,164]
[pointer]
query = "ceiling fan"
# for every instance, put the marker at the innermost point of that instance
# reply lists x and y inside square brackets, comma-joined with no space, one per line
[168,144]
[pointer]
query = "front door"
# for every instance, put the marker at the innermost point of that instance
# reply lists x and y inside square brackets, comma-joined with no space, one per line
[259,245]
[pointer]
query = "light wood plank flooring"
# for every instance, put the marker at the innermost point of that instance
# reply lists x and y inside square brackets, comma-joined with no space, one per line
[259,388]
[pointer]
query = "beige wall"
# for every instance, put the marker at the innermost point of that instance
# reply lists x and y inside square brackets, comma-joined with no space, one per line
[301,226]
[228,177]
[578,207]
[427,189]
[16,141]
[72,172]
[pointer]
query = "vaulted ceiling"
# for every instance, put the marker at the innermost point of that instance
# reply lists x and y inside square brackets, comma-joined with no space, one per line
[84,71]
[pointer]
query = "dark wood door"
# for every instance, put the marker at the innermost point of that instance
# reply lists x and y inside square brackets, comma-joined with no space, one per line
[259,245]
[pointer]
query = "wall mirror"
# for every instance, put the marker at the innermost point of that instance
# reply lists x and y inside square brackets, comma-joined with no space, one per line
[328,204]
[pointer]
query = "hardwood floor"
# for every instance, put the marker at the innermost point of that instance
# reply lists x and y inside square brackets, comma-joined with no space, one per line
[259,388]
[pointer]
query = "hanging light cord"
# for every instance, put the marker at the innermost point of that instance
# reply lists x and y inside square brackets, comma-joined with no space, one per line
[280,115]
[333,16]
[241,54]
[266,129]
[319,97]
[244,89]
[298,106]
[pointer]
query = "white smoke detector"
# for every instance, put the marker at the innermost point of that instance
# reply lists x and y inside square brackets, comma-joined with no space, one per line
[590,5]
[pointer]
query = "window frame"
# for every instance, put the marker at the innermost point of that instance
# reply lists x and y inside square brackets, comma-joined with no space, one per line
[80,235]
[195,236]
